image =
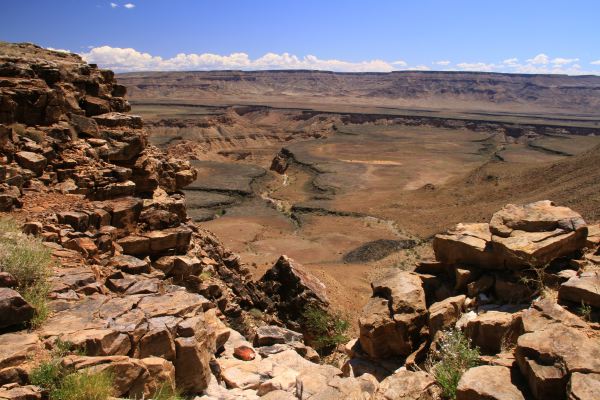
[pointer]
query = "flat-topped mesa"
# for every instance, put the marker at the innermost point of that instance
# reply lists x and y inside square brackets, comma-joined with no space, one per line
[63,125]
[517,237]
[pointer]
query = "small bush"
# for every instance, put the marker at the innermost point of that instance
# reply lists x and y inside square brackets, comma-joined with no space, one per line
[324,331]
[452,358]
[47,375]
[256,313]
[29,261]
[84,385]
[585,311]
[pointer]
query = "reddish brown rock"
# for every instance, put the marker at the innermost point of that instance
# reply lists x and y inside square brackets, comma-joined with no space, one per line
[32,161]
[14,310]
[244,352]
[584,288]
[390,324]
[487,382]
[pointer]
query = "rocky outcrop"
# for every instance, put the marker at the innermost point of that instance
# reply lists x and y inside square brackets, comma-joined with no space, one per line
[292,290]
[391,322]
[131,274]
[63,126]
[530,346]
[517,237]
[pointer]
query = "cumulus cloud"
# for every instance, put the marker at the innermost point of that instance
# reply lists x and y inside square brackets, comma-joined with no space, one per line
[128,59]
[540,59]
[477,66]
[419,68]
[129,5]
[114,5]
[564,61]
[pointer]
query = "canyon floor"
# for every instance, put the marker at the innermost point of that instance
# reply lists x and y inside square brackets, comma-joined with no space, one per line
[364,187]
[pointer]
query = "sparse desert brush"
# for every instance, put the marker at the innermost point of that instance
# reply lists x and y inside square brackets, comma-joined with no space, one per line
[29,261]
[454,355]
[84,385]
[324,330]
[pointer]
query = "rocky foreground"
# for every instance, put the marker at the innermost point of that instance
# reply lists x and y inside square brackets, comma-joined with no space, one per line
[138,290]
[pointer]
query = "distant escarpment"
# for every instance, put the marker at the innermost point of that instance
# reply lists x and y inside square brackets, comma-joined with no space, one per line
[442,90]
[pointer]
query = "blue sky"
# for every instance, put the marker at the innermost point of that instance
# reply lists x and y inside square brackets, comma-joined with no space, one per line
[348,35]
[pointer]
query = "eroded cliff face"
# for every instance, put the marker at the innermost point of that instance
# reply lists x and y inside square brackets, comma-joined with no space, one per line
[136,289]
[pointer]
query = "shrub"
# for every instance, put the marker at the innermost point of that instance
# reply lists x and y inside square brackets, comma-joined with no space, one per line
[256,313]
[84,385]
[29,261]
[49,372]
[452,358]
[585,311]
[324,330]
[47,375]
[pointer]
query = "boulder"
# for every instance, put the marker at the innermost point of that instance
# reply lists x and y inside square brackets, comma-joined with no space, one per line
[584,288]
[15,392]
[99,342]
[292,290]
[192,371]
[492,330]
[129,264]
[269,335]
[583,386]
[31,161]
[445,313]
[465,244]
[548,356]
[18,348]
[14,310]
[541,216]
[487,382]
[162,372]
[391,322]
[517,237]
[131,378]
[407,385]
[115,120]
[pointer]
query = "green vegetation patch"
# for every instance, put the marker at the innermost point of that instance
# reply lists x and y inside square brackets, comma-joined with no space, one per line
[29,262]
[324,330]
[454,355]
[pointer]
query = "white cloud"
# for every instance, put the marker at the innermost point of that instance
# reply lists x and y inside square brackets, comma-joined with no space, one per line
[419,68]
[564,61]
[477,66]
[128,59]
[540,59]
[129,5]
[114,5]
